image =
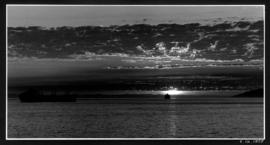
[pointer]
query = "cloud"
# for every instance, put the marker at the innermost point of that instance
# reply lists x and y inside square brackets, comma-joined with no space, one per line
[86,55]
[114,54]
[256,60]
[19,58]
[235,29]
[250,48]
[89,55]
[212,47]
[129,60]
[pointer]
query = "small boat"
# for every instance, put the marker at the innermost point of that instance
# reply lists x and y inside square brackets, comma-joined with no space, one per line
[33,95]
[167,97]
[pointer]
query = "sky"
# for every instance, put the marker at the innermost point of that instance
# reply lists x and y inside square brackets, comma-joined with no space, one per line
[55,16]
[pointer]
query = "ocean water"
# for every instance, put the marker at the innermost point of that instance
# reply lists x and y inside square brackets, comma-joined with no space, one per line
[137,118]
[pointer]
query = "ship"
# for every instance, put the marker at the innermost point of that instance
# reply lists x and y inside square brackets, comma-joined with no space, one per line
[34,95]
[167,97]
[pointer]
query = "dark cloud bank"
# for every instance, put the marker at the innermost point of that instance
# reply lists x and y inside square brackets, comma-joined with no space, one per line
[241,40]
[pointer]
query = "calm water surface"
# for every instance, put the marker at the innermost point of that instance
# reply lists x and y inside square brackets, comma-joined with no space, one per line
[137,118]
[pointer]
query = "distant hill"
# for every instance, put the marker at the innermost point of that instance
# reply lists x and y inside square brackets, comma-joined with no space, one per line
[223,41]
[251,94]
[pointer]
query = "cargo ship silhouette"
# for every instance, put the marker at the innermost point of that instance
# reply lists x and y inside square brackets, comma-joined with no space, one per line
[35,95]
[167,97]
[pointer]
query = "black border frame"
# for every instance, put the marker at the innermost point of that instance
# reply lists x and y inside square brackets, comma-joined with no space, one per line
[124,2]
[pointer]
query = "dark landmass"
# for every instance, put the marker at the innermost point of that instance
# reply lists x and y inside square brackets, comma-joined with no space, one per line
[258,93]
[33,95]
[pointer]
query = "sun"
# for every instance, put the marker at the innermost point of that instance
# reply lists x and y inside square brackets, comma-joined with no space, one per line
[173,91]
